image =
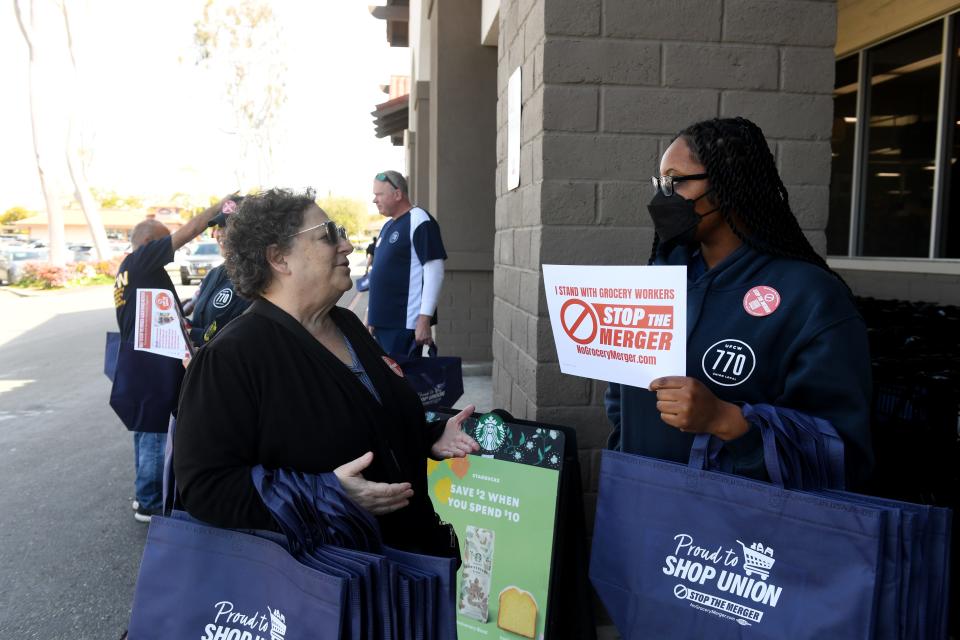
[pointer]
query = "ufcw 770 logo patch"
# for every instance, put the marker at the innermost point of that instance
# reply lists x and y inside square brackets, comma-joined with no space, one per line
[728,362]
[223,298]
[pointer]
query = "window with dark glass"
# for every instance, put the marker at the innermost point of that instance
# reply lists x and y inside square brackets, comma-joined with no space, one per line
[950,199]
[842,150]
[904,89]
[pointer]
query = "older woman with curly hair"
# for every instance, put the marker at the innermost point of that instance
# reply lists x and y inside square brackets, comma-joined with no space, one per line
[298,383]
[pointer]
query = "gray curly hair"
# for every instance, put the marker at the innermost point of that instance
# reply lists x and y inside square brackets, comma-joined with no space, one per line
[264,219]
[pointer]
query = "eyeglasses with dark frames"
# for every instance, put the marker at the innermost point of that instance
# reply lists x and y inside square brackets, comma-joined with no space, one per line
[334,232]
[385,177]
[665,184]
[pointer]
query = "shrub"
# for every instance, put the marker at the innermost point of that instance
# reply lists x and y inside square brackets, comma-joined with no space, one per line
[108,267]
[43,275]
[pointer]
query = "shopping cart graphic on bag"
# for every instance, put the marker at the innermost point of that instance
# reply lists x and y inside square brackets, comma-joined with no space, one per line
[278,626]
[757,559]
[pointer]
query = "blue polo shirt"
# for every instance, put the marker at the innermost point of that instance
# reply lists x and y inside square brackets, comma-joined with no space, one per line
[405,244]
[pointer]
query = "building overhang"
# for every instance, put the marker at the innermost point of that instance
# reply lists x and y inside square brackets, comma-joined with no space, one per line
[390,118]
[397,15]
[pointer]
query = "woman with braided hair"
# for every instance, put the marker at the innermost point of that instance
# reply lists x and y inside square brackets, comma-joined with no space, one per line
[772,333]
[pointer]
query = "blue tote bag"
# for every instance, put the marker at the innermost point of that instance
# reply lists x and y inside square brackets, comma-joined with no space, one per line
[145,389]
[111,350]
[401,594]
[680,552]
[438,380]
[198,581]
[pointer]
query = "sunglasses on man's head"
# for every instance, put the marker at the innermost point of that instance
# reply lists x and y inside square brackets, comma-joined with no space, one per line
[385,177]
[334,232]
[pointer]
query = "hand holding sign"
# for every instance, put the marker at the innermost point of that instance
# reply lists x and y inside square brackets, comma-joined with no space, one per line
[688,405]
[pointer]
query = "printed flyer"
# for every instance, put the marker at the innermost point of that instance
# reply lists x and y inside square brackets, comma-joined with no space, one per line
[158,327]
[502,503]
[618,324]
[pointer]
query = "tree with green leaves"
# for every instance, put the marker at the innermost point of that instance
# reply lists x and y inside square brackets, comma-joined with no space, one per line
[39,23]
[109,199]
[13,214]
[350,213]
[239,42]
[54,92]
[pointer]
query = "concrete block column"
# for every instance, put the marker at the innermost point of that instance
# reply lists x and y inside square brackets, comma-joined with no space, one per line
[462,157]
[606,86]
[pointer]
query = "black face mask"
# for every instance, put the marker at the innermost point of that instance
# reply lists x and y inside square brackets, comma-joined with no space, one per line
[674,218]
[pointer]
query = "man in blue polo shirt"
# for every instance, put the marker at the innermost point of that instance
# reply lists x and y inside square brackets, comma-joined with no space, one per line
[407,270]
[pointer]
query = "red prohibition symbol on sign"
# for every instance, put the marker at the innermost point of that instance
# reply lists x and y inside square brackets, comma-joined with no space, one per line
[579,321]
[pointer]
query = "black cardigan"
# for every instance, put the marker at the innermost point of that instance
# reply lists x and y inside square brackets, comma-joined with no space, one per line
[265,391]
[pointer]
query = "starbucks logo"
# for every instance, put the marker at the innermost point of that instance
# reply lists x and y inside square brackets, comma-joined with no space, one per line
[490,432]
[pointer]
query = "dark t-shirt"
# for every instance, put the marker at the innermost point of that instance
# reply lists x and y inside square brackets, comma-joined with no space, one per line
[142,269]
[216,304]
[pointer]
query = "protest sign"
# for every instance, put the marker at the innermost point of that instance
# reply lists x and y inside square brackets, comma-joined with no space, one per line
[619,324]
[158,327]
[502,503]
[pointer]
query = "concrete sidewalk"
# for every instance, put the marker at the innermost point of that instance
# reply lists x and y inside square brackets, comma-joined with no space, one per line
[477,386]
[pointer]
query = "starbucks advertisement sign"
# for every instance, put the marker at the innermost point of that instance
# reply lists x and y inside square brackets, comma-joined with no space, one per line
[502,503]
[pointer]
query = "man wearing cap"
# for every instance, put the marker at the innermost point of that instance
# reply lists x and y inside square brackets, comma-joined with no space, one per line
[407,270]
[216,302]
[145,385]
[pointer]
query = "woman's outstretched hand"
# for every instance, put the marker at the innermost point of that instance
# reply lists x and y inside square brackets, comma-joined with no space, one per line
[378,498]
[454,442]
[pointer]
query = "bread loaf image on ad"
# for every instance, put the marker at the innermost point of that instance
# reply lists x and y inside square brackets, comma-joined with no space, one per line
[518,612]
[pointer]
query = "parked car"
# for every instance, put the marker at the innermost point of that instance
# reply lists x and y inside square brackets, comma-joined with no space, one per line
[204,257]
[119,247]
[12,239]
[12,260]
[81,252]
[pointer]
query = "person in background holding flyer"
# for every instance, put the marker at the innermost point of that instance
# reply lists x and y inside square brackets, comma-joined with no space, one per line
[769,325]
[145,386]
[216,302]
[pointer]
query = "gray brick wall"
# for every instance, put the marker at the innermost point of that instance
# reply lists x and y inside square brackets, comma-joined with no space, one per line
[462,148]
[464,316]
[606,84]
[918,287]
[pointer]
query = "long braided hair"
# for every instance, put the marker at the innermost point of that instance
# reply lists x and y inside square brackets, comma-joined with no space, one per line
[744,181]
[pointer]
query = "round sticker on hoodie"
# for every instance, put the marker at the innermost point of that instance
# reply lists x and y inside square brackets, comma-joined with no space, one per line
[761,301]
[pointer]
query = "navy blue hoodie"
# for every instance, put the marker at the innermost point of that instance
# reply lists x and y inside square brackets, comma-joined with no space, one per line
[809,354]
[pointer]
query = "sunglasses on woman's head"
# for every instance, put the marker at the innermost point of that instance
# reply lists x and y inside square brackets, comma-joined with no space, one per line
[334,232]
